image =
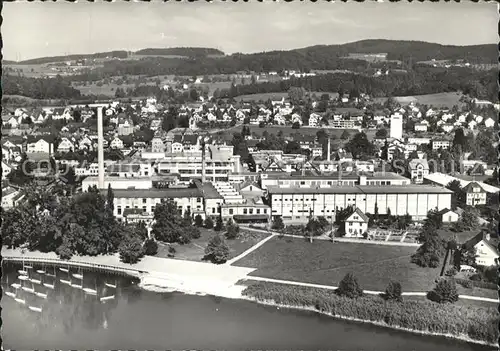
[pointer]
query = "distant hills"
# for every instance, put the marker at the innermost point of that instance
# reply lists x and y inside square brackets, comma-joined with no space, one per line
[310,57]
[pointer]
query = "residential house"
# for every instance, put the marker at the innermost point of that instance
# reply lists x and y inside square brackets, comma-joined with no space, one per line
[486,249]
[489,123]
[11,197]
[314,119]
[475,194]
[447,128]
[65,145]
[40,145]
[125,128]
[418,168]
[116,143]
[356,224]
[441,144]
[6,169]
[449,216]
[85,143]
[157,145]
[421,127]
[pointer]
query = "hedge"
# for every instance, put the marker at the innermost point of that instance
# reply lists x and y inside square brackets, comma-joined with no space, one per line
[467,283]
[478,323]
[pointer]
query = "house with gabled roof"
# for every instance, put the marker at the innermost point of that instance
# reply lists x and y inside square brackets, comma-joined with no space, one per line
[475,194]
[486,249]
[356,224]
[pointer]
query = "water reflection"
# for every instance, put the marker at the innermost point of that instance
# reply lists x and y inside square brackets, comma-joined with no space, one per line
[48,298]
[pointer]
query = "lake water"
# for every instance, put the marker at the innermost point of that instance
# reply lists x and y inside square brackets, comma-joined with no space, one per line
[139,319]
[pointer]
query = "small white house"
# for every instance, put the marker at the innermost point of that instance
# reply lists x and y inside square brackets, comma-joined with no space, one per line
[487,254]
[420,127]
[116,143]
[356,224]
[65,145]
[449,216]
[6,169]
[489,123]
[40,145]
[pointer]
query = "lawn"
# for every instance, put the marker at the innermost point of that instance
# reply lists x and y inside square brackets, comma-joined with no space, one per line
[278,96]
[195,250]
[327,263]
[437,100]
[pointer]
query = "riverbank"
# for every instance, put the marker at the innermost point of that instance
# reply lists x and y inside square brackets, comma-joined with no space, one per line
[465,323]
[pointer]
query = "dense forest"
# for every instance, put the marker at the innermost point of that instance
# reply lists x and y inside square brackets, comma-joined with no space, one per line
[423,81]
[188,52]
[38,88]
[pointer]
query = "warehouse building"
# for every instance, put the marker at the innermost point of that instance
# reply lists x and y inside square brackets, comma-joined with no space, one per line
[295,204]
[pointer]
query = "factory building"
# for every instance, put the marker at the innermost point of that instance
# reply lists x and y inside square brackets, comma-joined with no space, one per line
[297,204]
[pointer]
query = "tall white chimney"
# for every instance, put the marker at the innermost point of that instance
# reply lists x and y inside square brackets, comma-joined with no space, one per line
[100,148]
[328,151]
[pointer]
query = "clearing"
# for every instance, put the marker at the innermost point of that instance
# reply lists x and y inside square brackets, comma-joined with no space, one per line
[195,250]
[436,100]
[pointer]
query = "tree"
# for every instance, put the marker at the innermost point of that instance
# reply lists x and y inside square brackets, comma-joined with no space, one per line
[296,125]
[345,135]
[459,197]
[349,287]
[393,292]
[218,224]
[150,247]
[359,146]
[110,199]
[278,224]
[429,253]
[232,229]
[381,133]
[465,255]
[467,221]
[131,250]
[445,291]
[217,250]
[209,223]
[198,221]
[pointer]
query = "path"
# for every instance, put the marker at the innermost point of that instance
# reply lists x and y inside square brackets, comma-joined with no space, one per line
[369,292]
[250,250]
[342,240]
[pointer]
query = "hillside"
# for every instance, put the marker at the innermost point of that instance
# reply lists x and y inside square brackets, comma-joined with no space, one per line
[43,60]
[188,52]
[402,50]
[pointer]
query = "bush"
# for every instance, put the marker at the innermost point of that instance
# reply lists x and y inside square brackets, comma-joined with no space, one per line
[478,323]
[444,292]
[130,249]
[198,221]
[150,247]
[209,223]
[451,272]
[171,251]
[393,292]
[468,284]
[217,250]
[349,287]
[232,229]
[218,224]
[476,277]
[64,251]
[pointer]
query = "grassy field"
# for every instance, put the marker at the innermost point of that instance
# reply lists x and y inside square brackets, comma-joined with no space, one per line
[278,96]
[327,263]
[195,250]
[437,100]
[288,130]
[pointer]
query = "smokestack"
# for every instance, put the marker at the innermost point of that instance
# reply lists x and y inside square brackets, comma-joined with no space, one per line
[100,148]
[328,151]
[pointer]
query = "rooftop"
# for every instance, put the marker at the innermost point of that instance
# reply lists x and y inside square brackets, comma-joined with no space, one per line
[157,193]
[362,189]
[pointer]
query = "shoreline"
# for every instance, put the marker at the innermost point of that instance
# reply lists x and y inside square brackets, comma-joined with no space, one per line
[462,337]
[167,283]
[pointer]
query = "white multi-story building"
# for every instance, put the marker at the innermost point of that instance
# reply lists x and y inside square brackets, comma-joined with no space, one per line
[396,126]
[120,183]
[297,204]
[187,199]
[219,162]
[41,145]
[441,144]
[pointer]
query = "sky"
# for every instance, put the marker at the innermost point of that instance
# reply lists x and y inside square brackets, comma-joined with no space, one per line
[40,29]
